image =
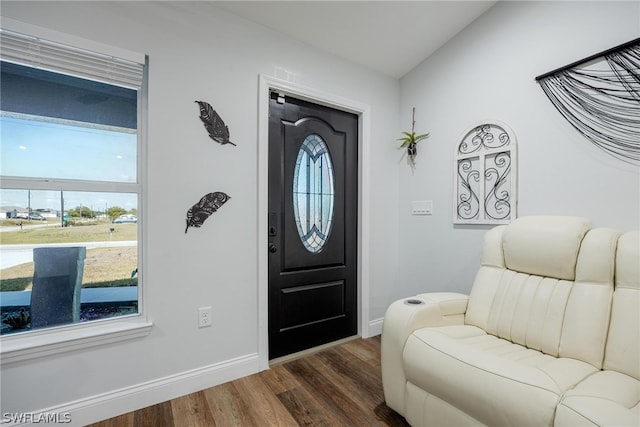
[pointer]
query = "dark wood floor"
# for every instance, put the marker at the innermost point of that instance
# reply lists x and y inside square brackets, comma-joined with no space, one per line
[339,386]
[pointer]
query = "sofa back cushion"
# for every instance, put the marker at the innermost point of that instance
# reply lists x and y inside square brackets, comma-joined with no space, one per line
[623,344]
[545,246]
[588,310]
[546,283]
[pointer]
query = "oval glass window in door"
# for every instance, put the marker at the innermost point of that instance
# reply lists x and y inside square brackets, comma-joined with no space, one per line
[313,193]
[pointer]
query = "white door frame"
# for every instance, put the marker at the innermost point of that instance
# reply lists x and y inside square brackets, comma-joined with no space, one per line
[266,84]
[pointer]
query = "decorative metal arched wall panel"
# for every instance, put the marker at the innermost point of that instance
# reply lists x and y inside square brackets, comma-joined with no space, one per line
[485,184]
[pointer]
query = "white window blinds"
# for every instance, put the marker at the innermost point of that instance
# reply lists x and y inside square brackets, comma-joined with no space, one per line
[39,53]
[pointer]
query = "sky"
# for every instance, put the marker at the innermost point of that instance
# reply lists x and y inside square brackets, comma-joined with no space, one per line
[30,148]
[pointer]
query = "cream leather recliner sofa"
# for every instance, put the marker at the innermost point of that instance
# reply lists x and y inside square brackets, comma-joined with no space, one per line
[549,334]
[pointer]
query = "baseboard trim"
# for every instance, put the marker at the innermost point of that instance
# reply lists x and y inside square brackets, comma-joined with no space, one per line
[375,327]
[112,404]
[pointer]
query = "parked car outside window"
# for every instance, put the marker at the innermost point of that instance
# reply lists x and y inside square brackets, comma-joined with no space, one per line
[125,219]
[37,217]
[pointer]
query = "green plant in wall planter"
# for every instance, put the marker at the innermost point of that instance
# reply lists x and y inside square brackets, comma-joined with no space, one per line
[410,140]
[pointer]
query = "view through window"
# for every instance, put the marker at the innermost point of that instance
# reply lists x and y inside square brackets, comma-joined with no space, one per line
[69,196]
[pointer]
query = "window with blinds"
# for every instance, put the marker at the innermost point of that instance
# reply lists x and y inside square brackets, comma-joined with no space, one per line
[48,55]
[71,132]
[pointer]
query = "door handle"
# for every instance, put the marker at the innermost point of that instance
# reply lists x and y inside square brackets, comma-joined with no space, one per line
[273,248]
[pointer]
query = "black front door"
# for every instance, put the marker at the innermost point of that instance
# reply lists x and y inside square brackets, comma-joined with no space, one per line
[313,202]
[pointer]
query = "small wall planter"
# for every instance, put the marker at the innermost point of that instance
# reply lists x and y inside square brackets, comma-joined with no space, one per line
[410,140]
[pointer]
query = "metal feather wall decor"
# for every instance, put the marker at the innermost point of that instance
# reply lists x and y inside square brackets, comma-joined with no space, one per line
[217,129]
[208,204]
[600,97]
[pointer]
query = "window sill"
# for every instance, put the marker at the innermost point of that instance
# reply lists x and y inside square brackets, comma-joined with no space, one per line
[31,346]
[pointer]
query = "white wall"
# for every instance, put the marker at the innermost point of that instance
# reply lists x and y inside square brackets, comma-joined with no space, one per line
[198,52]
[488,72]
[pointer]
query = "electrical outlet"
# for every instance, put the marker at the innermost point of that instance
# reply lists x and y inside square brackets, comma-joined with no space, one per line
[204,317]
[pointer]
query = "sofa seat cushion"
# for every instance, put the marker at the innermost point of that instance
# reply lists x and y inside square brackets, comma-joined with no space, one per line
[491,379]
[607,398]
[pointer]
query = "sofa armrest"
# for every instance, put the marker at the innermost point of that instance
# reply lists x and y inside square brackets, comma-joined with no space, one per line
[401,319]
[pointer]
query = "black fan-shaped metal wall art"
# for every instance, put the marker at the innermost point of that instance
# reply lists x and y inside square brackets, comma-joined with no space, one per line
[217,129]
[208,204]
[600,97]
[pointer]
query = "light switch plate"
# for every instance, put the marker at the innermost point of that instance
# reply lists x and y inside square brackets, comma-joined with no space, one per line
[422,207]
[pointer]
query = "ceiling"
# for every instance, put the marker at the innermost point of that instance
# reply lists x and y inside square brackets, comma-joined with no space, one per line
[388,36]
